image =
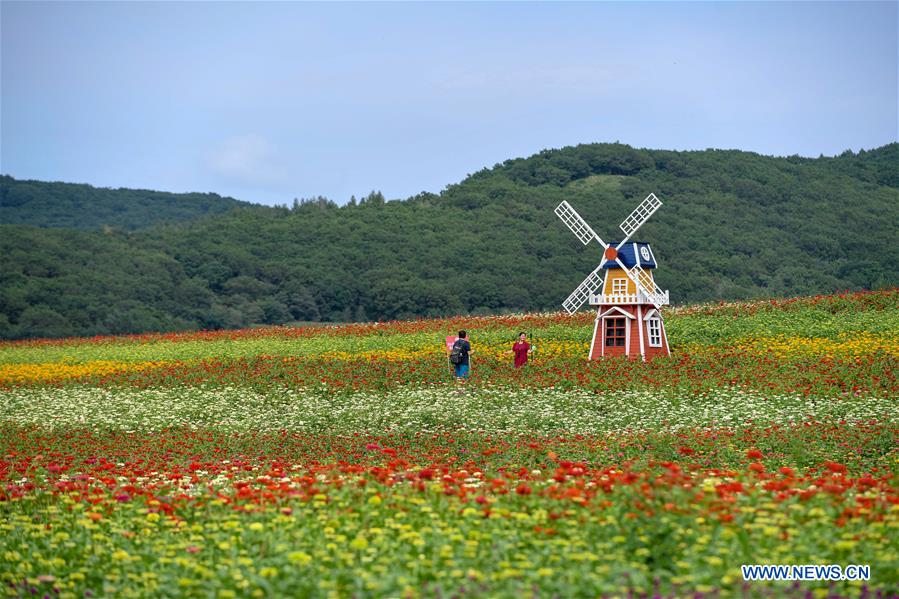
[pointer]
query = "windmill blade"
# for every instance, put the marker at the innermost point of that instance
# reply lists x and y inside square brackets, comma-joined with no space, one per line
[645,284]
[577,225]
[583,291]
[632,276]
[636,219]
[639,216]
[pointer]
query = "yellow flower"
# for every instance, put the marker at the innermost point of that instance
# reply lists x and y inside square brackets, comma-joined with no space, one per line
[359,543]
[299,557]
[53,371]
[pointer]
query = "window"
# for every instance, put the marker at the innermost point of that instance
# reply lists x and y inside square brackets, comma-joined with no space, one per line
[619,286]
[615,332]
[654,326]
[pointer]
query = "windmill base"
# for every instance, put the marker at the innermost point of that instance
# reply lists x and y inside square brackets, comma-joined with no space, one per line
[634,331]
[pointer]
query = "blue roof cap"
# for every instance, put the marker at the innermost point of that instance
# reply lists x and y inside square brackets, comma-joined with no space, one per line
[630,252]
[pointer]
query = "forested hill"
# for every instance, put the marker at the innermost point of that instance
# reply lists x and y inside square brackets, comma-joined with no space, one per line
[78,206]
[733,225]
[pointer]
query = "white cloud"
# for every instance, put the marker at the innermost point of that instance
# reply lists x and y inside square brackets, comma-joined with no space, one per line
[249,159]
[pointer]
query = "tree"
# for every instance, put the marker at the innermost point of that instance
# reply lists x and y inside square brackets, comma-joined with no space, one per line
[43,321]
[735,224]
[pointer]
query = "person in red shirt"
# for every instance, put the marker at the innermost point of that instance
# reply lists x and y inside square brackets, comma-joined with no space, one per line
[521,349]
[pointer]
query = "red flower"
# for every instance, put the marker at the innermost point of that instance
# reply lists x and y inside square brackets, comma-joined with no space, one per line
[835,467]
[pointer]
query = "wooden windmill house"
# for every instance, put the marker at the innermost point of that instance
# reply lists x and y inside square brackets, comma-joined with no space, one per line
[628,301]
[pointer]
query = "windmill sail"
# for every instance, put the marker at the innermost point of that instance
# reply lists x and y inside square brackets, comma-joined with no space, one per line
[643,281]
[645,284]
[639,216]
[577,225]
[583,291]
[636,219]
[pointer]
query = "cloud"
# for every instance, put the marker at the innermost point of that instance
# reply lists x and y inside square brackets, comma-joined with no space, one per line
[249,159]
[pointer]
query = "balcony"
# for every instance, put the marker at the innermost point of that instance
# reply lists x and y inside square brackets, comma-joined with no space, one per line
[614,299]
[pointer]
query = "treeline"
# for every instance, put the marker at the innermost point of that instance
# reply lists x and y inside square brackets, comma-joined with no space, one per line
[734,225]
[79,206]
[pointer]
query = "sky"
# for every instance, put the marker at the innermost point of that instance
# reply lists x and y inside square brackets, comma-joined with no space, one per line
[267,102]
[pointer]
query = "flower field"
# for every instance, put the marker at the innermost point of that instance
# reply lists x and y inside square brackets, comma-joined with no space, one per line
[344,461]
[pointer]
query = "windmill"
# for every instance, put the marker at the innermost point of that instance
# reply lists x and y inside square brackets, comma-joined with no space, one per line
[628,316]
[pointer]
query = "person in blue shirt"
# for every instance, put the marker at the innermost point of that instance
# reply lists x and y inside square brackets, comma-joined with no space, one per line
[461,369]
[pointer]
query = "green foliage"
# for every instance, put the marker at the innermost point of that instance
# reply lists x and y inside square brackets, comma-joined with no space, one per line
[735,225]
[74,206]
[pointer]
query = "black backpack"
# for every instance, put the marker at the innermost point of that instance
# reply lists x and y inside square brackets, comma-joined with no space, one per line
[455,356]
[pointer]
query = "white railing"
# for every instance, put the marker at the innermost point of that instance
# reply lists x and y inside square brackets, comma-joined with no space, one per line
[626,298]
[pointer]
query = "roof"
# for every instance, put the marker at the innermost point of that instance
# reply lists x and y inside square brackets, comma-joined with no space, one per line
[630,252]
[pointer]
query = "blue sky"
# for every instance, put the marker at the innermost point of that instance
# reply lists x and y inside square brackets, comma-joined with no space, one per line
[266,102]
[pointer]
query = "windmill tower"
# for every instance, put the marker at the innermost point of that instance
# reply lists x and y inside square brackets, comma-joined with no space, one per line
[628,314]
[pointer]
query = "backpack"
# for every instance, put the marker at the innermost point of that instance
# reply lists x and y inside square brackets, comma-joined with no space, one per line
[455,356]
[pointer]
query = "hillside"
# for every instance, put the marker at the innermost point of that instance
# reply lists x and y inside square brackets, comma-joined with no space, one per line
[77,206]
[734,225]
